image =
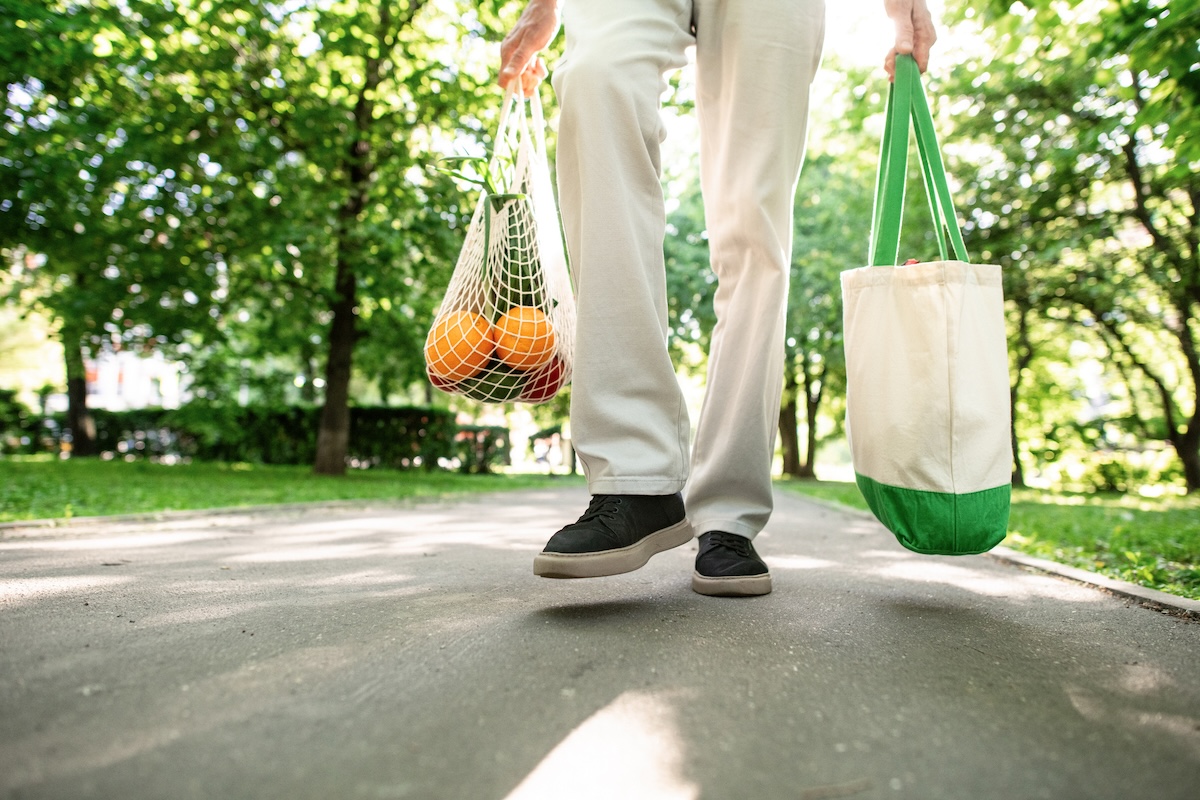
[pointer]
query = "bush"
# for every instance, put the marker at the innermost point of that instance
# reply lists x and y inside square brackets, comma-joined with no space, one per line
[18,426]
[401,438]
[395,438]
[1109,475]
[481,447]
[254,434]
[1125,472]
[143,432]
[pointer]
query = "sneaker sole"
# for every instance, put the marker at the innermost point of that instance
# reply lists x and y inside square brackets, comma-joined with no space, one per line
[611,562]
[732,585]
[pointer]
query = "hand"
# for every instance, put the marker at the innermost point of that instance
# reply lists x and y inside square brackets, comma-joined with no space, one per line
[915,33]
[536,28]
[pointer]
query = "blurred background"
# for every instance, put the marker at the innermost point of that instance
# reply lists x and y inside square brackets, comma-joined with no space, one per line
[224,236]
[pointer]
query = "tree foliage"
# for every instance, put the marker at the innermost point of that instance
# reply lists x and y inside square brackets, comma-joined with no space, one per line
[1086,192]
[99,205]
[245,181]
[246,185]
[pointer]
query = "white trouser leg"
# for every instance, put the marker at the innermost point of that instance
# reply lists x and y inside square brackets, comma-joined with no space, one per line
[755,60]
[629,422]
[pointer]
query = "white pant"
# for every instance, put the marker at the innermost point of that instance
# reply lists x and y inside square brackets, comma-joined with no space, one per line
[755,63]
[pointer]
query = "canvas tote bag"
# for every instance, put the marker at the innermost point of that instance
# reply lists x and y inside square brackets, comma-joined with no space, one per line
[928,417]
[505,330]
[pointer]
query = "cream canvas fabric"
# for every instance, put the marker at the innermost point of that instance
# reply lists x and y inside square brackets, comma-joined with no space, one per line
[928,369]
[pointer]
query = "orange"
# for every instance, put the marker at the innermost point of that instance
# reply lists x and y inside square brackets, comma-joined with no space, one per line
[459,345]
[524,338]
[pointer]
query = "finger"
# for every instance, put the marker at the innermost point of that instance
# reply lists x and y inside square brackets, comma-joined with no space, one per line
[922,59]
[515,58]
[925,36]
[512,75]
[889,65]
[537,72]
[529,83]
[532,77]
[511,78]
[905,34]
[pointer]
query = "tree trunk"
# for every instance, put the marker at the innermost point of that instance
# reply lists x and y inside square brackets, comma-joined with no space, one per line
[333,437]
[813,389]
[1018,473]
[1024,359]
[789,439]
[1189,440]
[809,468]
[79,419]
[1189,455]
[1183,296]
[308,391]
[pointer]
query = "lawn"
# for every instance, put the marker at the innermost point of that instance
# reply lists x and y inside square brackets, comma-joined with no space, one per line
[1154,543]
[51,489]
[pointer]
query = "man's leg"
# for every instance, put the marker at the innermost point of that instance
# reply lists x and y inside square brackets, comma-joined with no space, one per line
[628,418]
[755,61]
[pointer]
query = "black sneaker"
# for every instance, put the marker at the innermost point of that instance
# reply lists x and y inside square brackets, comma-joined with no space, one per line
[727,566]
[618,533]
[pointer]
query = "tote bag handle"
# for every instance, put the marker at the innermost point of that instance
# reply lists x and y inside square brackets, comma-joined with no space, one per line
[907,101]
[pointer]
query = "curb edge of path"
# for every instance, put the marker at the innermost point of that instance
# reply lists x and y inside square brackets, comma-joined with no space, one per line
[1148,598]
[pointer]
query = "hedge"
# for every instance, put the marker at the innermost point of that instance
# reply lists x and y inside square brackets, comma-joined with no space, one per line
[393,438]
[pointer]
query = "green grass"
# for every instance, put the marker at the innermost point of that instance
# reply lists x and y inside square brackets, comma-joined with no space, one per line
[1153,543]
[52,489]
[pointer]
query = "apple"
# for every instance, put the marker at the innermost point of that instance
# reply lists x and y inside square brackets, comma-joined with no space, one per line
[444,384]
[545,382]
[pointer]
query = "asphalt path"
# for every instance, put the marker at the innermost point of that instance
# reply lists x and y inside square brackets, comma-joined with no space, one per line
[407,651]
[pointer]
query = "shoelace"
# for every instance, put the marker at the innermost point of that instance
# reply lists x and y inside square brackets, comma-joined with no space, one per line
[738,544]
[602,506]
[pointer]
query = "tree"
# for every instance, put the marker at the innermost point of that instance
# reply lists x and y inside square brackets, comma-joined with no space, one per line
[99,207]
[359,99]
[691,283]
[832,212]
[264,166]
[1088,195]
[353,101]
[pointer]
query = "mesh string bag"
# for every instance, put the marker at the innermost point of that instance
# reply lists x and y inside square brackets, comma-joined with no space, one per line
[505,330]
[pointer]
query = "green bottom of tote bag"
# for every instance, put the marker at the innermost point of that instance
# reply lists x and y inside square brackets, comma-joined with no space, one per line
[937,523]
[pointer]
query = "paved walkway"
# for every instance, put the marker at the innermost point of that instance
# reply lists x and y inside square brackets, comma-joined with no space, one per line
[409,652]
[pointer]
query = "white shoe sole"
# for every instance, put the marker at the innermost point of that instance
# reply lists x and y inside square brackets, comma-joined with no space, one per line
[732,585]
[611,562]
